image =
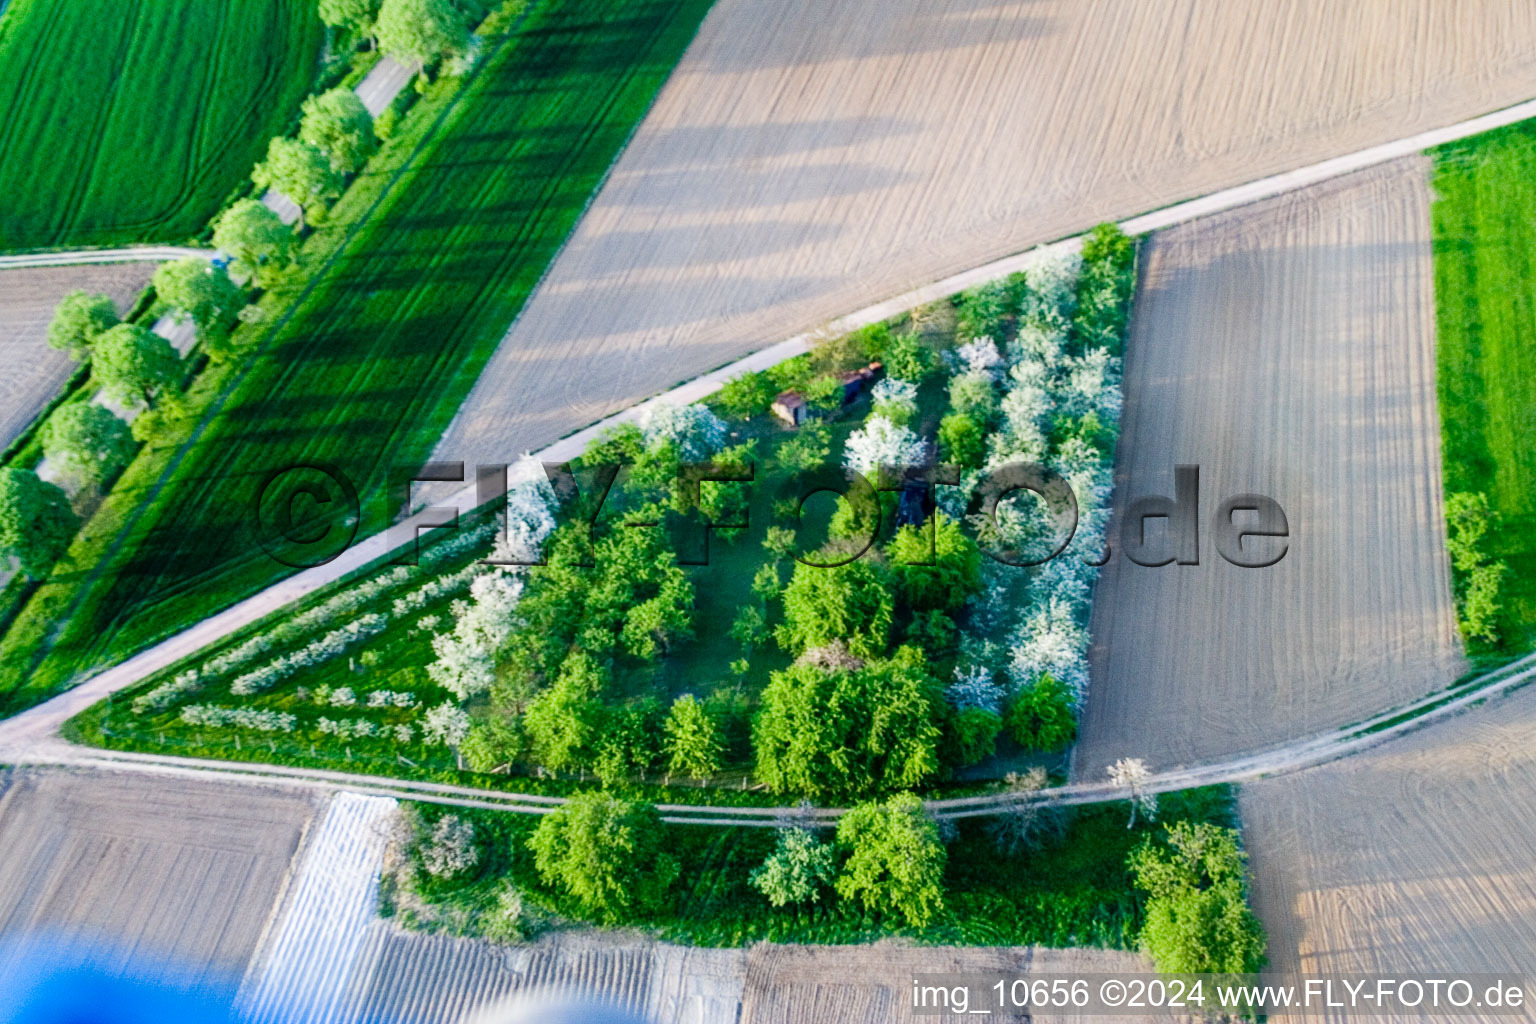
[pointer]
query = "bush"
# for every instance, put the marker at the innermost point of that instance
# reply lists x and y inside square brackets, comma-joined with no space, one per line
[449,850]
[1469,519]
[974,734]
[1104,288]
[956,570]
[693,745]
[1043,716]
[908,359]
[962,441]
[1197,917]
[895,860]
[797,871]
[746,395]
[605,853]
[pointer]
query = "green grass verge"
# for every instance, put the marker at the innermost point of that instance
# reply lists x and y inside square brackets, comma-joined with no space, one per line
[421,267]
[130,122]
[1485,296]
[1072,891]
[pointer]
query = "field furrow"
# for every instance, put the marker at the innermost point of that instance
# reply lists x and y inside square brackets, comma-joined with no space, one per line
[809,158]
[1286,349]
[1413,857]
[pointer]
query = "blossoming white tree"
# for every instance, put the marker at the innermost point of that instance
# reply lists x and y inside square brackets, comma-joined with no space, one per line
[447,724]
[1051,640]
[1132,774]
[882,443]
[981,357]
[974,687]
[697,432]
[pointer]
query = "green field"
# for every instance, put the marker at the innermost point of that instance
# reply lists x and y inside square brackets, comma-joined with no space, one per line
[1485,295]
[131,122]
[421,268]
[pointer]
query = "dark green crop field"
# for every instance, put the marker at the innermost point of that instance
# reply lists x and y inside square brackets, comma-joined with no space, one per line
[131,121]
[422,267]
[1485,296]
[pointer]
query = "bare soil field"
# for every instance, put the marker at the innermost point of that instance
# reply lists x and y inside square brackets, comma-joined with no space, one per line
[1415,856]
[1287,349]
[809,985]
[151,867]
[31,373]
[434,979]
[808,158]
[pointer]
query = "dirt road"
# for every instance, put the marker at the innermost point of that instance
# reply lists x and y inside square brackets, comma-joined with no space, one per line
[1413,857]
[808,158]
[1286,348]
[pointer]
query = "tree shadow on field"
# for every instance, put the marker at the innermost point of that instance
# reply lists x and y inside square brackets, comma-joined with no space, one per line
[811,32]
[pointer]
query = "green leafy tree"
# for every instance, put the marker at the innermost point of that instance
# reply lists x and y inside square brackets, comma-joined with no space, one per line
[974,733]
[607,854]
[724,502]
[692,741]
[797,871]
[956,570]
[906,358]
[1104,288]
[895,859]
[299,171]
[357,16]
[851,603]
[133,362]
[204,292]
[492,744]
[616,445]
[750,626]
[1197,915]
[78,320]
[563,721]
[808,449]
[746,395]
[854,518]
[849,731]
[36,522]
[88,442]
[1480,601]
[656,625]
[962,441]
[261,244]
[421,30]
[337,124]
[973,396]
[1470,517]
[1043,716]
[626,747]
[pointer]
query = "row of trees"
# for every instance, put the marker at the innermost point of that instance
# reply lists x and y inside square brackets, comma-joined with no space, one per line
[419,31]
[614,861]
